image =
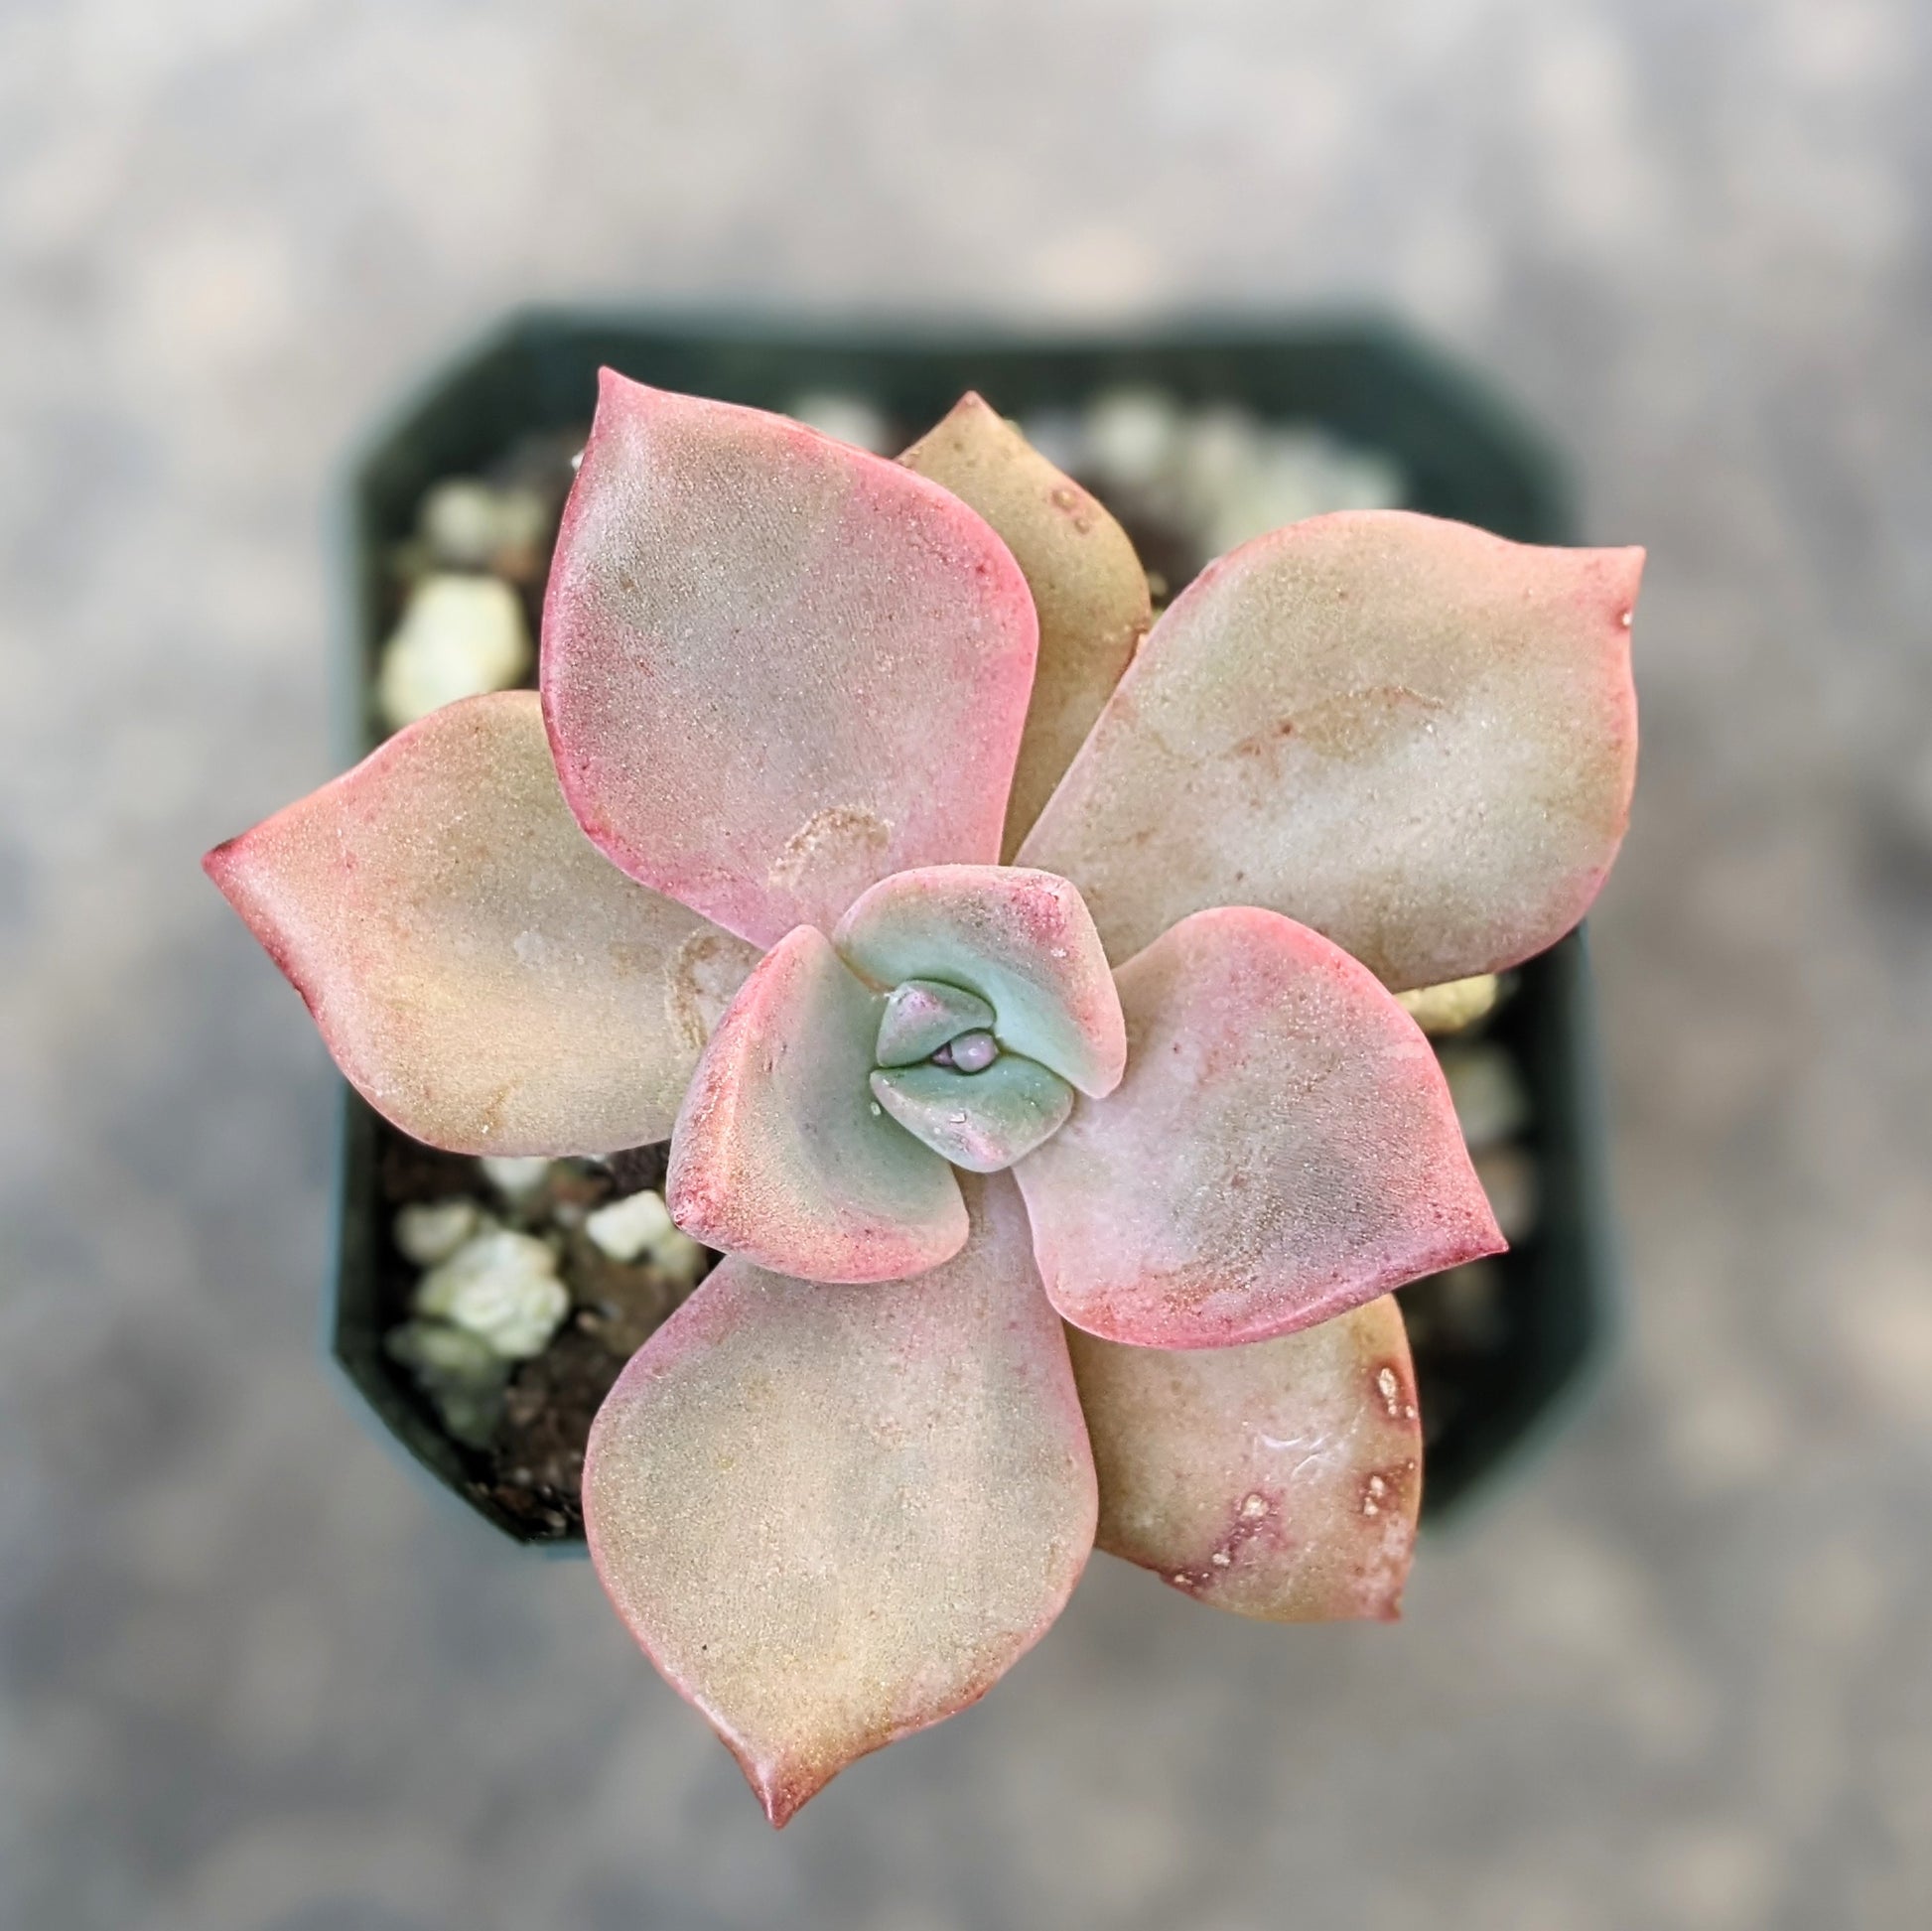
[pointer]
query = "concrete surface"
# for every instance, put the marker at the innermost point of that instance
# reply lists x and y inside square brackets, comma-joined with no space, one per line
[1682,1675]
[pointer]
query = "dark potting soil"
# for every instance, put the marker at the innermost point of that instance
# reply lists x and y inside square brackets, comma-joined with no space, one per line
[533,1463]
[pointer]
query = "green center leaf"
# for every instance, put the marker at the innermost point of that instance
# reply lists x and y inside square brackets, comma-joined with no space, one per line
[981,1121]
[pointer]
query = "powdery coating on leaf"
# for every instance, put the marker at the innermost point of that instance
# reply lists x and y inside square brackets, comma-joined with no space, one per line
[835,1515]
[1282,1149]
[778,1154]
[1417,738]
[776,668]
[485,979]
[1088,586]
[1280,1481]
[1020,939]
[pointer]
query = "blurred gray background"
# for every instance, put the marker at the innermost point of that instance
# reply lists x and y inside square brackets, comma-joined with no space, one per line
[1680,1675]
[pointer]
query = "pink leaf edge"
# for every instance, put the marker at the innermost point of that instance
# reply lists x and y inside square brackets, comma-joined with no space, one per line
[754,638]
[1283,1147]
[1415,736]
[835,1515]
[482,978]
[780,1153]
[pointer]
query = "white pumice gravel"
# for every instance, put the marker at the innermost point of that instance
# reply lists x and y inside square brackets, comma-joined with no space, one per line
[1282,476]
[432,1230]
[627,1228]
[679,1257]
[458,637]
[439,1351]
[1453,1005]
[463,1376]
[1132,437]
[1216,457]
[848,418]
[1217,473]
[466,524]
[515,1175]
[502,1288]
[639,1227]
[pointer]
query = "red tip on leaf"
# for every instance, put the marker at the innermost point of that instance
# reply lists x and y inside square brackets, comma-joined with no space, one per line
[1411,735]
[833,1515]
[481,975]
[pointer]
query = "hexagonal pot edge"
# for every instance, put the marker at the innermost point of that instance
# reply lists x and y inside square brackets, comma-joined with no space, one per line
[1468,455]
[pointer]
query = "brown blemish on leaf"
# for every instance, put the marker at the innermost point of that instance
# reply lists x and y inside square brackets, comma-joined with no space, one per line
[840,841]
[1358,724]
[1241,1474]
[1394,1392]
[1263,743]
[1257,1515]
[705,972]
[1386,1489]
[1076,504]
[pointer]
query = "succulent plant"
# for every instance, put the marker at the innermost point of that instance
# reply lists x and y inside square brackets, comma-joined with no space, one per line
[1017,993]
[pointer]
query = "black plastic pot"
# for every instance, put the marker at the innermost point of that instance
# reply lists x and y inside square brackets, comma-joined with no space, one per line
[1466,457]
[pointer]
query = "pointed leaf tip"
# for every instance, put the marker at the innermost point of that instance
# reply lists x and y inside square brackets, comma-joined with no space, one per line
[481,976]
[1417,738]
[754,637]
[780,1153]
[1282,1149]
[1087,584]
[834,1515]
[1280,1481]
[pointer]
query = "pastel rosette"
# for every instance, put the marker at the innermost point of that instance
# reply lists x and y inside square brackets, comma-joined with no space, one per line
[1015,983]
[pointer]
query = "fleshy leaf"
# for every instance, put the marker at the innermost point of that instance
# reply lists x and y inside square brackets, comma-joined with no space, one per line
[1282,1149]
[1280,1481]
[921,1015]
[774,668]
[980,1121]
[480,973]
[835,1515]
[1412,735]
[1020,939]
[780,1153]
[1087,584]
